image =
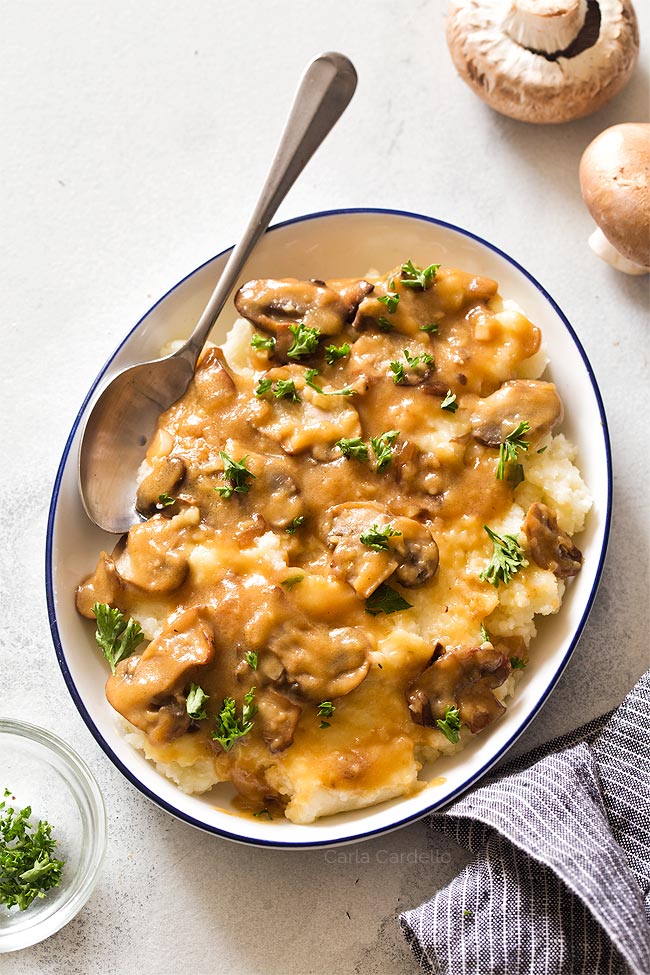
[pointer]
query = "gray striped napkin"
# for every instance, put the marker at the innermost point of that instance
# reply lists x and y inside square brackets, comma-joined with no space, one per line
[560,880]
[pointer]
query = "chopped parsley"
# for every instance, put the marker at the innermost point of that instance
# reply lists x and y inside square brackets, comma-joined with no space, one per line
[485,634]
[28,868]
[387,600]
[507,559]
[165,500]
[384,325]
[517,663]
[542,449]
[294,525]
[390,300]
[261,342]
[309,380]
[416,277]
[353,447]
[433,328]
[335,352]
[263,386]
[413,361]
[116,636]
[325,710]
[449,402]
[263,812]
[291,581]
[450,727]
[305,340]
[236,473]
[376,538]
[382,447]
[251,659]
[509,450]
[286,389]
[194,704]
[229,726]
[282,389]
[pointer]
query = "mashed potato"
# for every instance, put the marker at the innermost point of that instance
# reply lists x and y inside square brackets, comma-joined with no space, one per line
[354,516]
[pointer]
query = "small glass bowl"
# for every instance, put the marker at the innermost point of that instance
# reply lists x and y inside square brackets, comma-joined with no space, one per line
[43,772]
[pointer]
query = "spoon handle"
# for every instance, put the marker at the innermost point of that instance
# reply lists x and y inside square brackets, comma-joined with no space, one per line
[325,91]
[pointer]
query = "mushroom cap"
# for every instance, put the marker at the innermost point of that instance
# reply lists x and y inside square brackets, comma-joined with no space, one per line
[536,87]
[615,184]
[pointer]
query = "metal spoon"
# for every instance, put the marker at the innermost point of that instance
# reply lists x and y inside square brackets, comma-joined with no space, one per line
[124,416]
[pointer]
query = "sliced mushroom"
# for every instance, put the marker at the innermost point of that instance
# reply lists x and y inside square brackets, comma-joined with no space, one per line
[352,292]
[149,558]
[543,60]
[103,586]
[318,663]
[213,378]
[271,304]
[283,502]
[550,547]
[411,553]
[277,718]
[464,678]
[496,416]
[150,690]
[163,480]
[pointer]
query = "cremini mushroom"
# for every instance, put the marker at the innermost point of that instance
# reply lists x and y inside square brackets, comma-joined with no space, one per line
[615,184]
[544,61]
[533,400]
[550,547]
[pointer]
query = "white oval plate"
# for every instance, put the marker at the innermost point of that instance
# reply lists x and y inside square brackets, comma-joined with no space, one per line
[331,245]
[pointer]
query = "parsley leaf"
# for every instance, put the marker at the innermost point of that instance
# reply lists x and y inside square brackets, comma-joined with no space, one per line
[291,581]
[433,328]
[116,637]
[509,450]
[236,473]
[325,710]
[261,342]
[416,277]
[485,634]
[449,402]
[27,867]
[294,525]
[229,727]
[263,812]
[450,727]
[517,663]
[251,659]
[352,447]
[195,701]
[309,380]
[376,538]
[387,600]
[391,301]
[165,500]
[263,386]
[397,370]
[286,389]
[305,340]
[383,448]
[384,325]
[507,559]
[335,352]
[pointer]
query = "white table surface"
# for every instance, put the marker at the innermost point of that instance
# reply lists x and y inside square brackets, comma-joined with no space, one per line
[134,137]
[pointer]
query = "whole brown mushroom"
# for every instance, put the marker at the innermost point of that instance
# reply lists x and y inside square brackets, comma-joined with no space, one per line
[615,184]
[544,60]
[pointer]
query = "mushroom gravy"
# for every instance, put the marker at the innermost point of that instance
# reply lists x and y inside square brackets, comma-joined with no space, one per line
[315,539]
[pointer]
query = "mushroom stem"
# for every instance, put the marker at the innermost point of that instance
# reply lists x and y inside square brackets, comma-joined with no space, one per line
[545,25]
[602,247]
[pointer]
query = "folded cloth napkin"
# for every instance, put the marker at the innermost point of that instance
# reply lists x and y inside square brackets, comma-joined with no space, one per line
[560,880]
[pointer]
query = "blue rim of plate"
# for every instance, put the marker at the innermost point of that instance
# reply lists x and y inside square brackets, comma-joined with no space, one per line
[49,589]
